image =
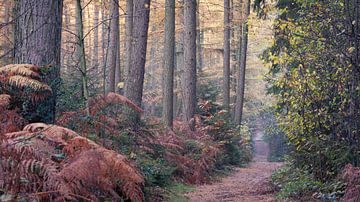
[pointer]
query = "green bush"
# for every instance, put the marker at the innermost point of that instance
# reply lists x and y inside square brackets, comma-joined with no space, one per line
[294,183]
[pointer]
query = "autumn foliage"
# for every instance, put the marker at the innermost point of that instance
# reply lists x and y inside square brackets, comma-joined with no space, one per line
[54,163]
[49,162]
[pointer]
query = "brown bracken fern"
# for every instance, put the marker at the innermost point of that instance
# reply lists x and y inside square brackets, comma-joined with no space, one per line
[24,77]
[52,163]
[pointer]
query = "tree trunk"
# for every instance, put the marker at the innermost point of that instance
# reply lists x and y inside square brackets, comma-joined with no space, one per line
[179,75]
[114,44]
[226,87]
[189,61]
[239,104]
[199,39]
[169,49]
[135,78]
[66,59]
[105,36]
[128,34]
[95,52]
[153,66]
[38,41]
[79,14]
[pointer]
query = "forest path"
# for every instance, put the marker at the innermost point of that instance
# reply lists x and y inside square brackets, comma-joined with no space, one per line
[250,184]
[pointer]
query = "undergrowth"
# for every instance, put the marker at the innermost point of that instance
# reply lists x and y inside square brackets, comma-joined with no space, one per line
[298,184]
[104,157]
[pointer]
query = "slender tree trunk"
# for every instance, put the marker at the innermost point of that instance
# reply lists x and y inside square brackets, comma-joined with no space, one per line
[95,52]
[38,41]
[135,78]
[168,110]
[66,58]
[118,70]
[239,104]
[128,34]
[82,58]
[198,39]
[179,75]
[114,44]
[190,61]
[226,71]
[153,66]
[104,43]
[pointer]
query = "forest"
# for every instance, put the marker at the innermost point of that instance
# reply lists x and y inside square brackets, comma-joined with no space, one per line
[187,100]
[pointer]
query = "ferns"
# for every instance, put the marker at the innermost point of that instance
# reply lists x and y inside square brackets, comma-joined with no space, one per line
[24,77]
[105,116]
[62,165]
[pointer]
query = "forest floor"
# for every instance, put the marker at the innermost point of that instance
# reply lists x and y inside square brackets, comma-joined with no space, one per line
[250,184]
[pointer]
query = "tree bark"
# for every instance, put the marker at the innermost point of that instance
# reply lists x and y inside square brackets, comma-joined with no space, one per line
[169,49]
[128,34]
[199,39]
[38,41]
[135,78]
[114,44]
[153,67]
[226,62]
[239,104]
[189,62]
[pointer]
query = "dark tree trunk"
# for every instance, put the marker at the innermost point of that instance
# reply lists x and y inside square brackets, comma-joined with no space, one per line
[169,49]
[38,41]
[226,71]
[189,61]
[239,104]
[135,78]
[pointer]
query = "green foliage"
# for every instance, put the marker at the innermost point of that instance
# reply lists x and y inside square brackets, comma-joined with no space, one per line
[176,192]
[207,90]
[67,93]
[313,75]
[274,136]
[294,183]
[236,141]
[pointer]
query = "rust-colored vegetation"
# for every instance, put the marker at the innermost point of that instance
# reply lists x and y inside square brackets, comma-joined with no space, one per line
[44,162]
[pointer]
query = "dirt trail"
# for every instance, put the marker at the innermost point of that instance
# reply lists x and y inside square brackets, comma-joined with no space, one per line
[251,184]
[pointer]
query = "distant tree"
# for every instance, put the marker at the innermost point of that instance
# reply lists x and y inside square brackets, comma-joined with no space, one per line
[128,34]
[105,36]
[95,52]
[38,41]
[226,63]
[169,56]
[135,79]
[199,39]
[114,45]
[240,87]
[189,74]
[82,56]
